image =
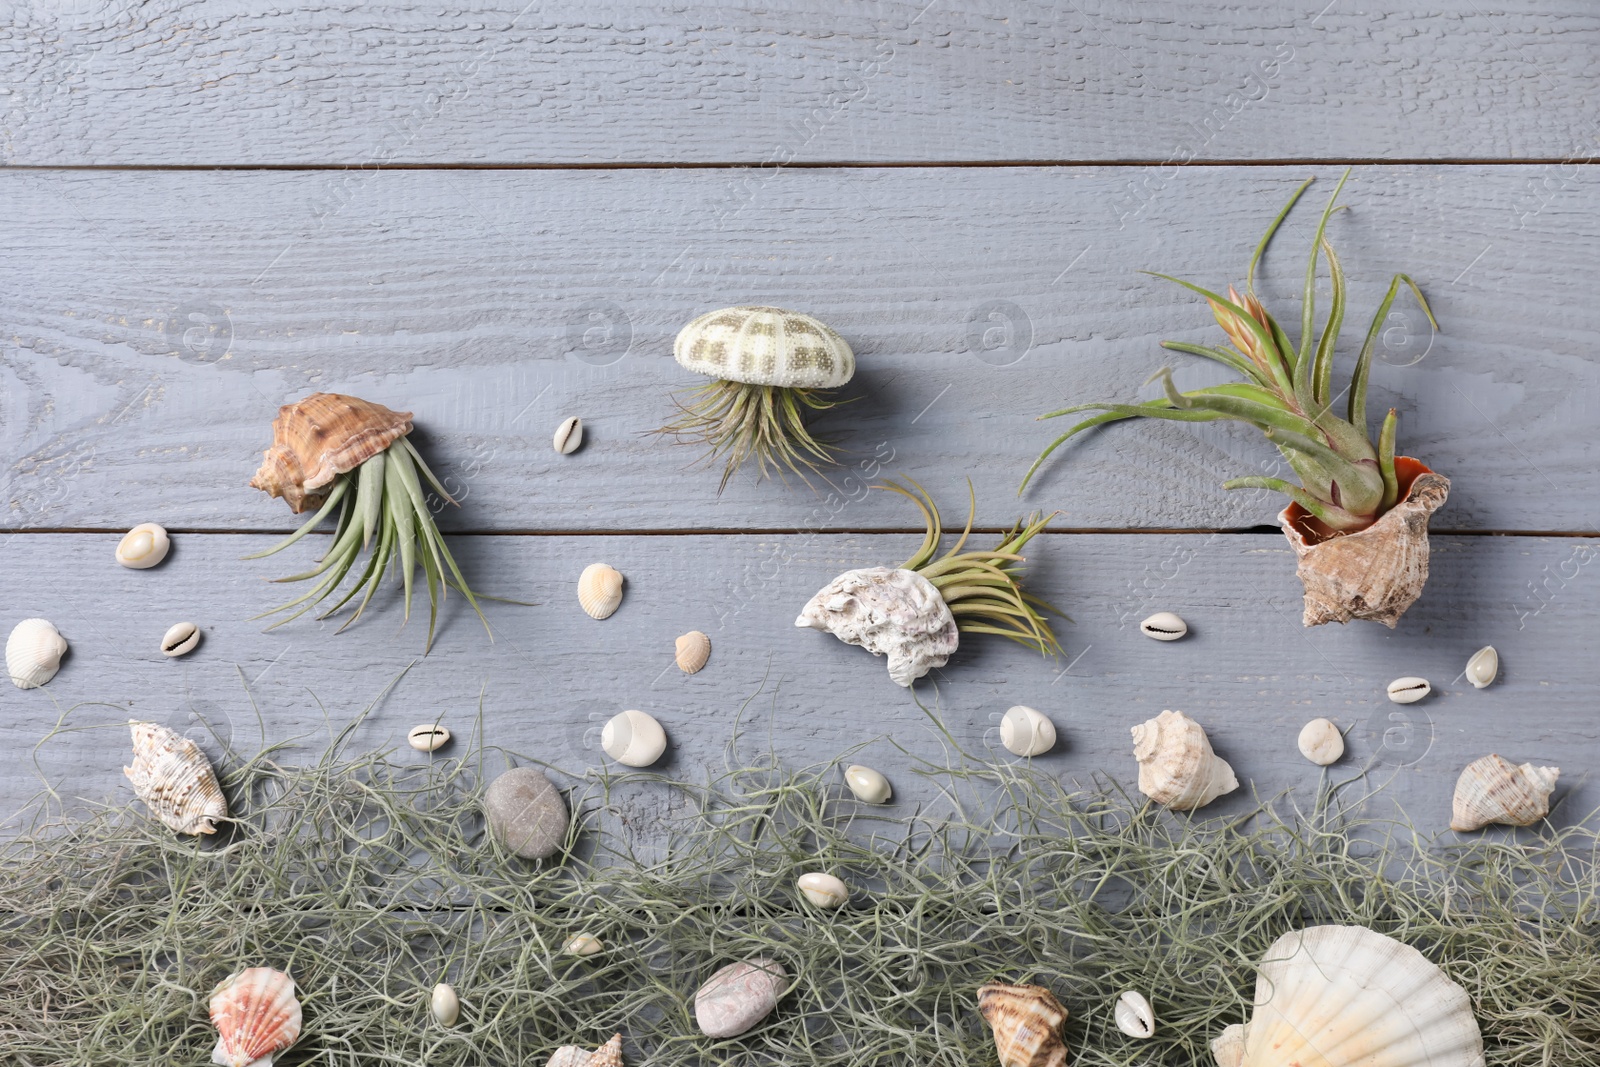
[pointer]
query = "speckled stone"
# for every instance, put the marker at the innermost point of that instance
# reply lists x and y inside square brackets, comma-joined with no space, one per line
[525,813]
[738,996]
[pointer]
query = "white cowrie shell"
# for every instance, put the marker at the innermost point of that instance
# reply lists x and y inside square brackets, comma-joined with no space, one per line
[867,784]
[1164,626]
[1027,732]
[143,546]
[823,890]
[1321,742]
[569,435]
[584,945]
[1134,1016]
[180,639]
[1483,666]
[429,737]
[445,1005]
[1409,690]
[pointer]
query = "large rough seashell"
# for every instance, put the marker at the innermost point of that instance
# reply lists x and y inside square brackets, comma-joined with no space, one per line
[256,1016]
[321,437]
[1408,690]
[175,780]
[600,590]
[692,651]
[1164,626]
[1321,742]
[1026,1020]
[444,1005]
[823,890]
[1344,996]
[1026,731]
[1483,667]
[897,613]
[867,784]
[765,346]
[634,739]
[1376,573]
[1176,765]
[1135,1017]
[33,653]
[180,639]
[1495,790]
[143,546]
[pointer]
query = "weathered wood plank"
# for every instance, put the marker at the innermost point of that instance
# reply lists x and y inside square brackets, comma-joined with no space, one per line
[510,82]
[1247,671]
[146,351]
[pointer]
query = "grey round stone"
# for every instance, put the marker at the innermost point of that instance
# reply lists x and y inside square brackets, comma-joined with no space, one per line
[738,996]
[525,813]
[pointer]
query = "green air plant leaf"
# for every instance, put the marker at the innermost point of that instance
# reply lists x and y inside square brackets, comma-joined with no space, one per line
[1346,479]
[739,421]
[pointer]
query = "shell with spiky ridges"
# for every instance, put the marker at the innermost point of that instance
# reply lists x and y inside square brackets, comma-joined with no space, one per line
[765,346]
[1176,765]
[256,1016]
[321,437]
[1495,790]
[1026,1020]
[175,780]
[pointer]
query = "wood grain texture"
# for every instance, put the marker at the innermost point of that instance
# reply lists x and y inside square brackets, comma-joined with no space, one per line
[1247,671]
[146,351]
[223,82]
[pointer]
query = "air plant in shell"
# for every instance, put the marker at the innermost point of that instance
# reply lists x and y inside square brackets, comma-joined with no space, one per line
[916,613]
[1358,518]
[769,368]
[330,452]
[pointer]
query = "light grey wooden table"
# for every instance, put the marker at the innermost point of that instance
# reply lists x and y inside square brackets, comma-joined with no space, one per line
[500,217]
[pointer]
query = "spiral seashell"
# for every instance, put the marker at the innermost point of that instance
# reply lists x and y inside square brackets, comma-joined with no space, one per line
[1176,765]
[1026,1020]
[321,437]
[444,1005]
[143,546]
[180,639]
[634,739]
[867,784]
[823,890]
[600,590]
[1135,1017]
[1164,626]
[1483,667]
[33,653]
[692,651]
[608,1054]
[175,780]
[1495,790]
[765,346]
[1027,732]
[1321,742]
[256,1016]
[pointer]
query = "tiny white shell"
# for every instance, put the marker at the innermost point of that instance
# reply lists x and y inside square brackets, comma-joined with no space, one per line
[600,590]
[143,546]
[180,639]
[1164,626]
[33,653]
[445,1005]
[584,945]
[429,737]
[1409,690]
[1134,1015]
[1483,666]
[823,890]
[691,651]
[1027,732]
[1321,742]
[569,435]
[867,784]
[633,738]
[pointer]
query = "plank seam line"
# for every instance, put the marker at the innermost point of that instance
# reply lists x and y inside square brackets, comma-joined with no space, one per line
[790,531]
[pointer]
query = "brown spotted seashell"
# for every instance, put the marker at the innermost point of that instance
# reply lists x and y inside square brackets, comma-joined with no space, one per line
[256,1016]
[1495,790]
[1376,573]
[1026,1020]
[175,780]
[321,437]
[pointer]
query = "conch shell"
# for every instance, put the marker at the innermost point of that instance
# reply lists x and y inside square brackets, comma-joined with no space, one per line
[1344,996]
[175,780]
[1176,765]
[1026,1020]
[320,438]
[256,1016]
[1376,573]
[897,613]
[1495,790]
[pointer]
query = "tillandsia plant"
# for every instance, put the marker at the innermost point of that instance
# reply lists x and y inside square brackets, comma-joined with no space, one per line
[916,613]
[770,367]
[1354,517]
[333,451]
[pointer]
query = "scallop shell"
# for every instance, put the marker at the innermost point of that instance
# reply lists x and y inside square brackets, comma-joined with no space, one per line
[867,784]
[143,546]
[1026,1020]
[180,639]
[1344,996]
[1483,667]
[584,945]
[634,739]
[1321,742]
[1135,1017]
[444,1005]
[428,737]
[823,890]
[569,435]
[321,437]
[33,653]
[765,346]
[600,590]
[1176,765]
[1495,790]
[693,649]
[175,780]
[256,1016]
[1227,1048]
[1027,732]
[1164,626]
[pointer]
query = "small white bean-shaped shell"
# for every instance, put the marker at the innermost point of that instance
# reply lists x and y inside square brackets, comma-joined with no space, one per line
[445,1005]
[823,890]
[1321,742]
[429,737]
[600,590]
[584,945]
[1483,666]
[143,546]
[1164,626]
[1409,690]
[867,784]
[180,639]
[1027,732]
[569,435]
[1134,1015]
[691,651]
[634,739]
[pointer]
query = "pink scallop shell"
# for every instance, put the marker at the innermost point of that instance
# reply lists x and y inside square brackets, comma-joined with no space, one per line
[256,1016]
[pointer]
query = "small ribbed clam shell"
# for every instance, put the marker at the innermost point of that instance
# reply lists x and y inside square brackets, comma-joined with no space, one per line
[180,639]
[569,435]
[143,546]
[584,945]
[1495,790]
[765,346]
[1483,666]
[33,653]
[693,649]
[1134,1015]
[1164,626]
[1321,742]
[428,737]
[1177,767]
[867,784]
[1027,1021]
[1027,732]
[633,738]
[823,890]
[600,590]
[1409,690]
[256,1016]
[175,780]
[444,1005]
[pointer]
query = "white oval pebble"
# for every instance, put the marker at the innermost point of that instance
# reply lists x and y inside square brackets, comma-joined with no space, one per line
[143,546]
[1027,732]
[569,435]
[634,739]
[180,639]
[1164,626]
[1321,742]
[1409,690]
[738,996]
[823,890]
